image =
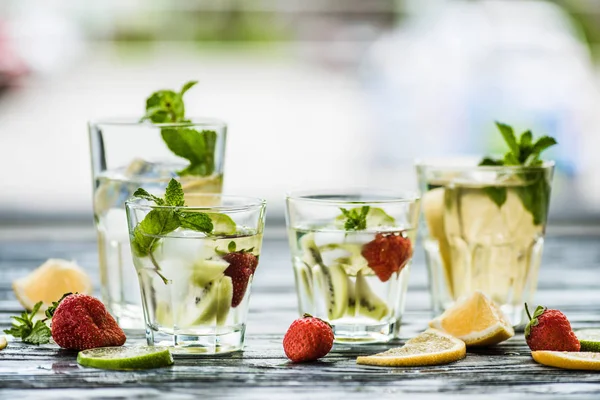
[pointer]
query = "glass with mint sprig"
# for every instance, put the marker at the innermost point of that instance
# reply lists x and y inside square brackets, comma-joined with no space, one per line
[524,152]
[198,147]
[170,215]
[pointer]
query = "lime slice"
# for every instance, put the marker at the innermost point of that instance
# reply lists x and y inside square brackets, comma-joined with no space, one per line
[375,217]
[125,358]
[223,224]
[589,339]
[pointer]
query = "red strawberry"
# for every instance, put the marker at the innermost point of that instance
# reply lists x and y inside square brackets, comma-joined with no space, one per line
[550,330]
[241,267]
[81,322]
[387,254]
[308,339]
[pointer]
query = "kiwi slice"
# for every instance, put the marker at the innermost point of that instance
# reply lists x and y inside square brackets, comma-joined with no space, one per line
[208,270]
[368,303]
[351,310]
[335,289]
[203,307]
[310,252]
[304,279]
[225,295]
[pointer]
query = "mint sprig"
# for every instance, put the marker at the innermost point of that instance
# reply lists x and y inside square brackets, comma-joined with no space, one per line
[33,333]
[356,218]
[524,152]
[167,106]
[161,221]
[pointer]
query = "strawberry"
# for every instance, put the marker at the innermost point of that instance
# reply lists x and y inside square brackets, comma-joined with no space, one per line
[387,254]
[81,322]
[550,330]
[241,267]
[308,339]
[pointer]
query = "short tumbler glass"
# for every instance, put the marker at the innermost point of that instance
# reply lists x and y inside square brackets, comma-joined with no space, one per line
[484,230]
[129,154]
[196,286]
[351,254]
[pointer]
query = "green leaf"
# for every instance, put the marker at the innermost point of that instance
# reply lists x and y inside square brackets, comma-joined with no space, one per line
[197,147]
[509,137]
[165,106]
[142,194]
[187,86]
[40,334]
[536,195]
[542,144]
[174,194]
[196,221]
[497,194]
[356,218]
[155,224]
[490,162]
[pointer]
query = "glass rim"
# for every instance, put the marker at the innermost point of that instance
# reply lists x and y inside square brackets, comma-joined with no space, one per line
[466,164]
[128,121]
[247,203]
[362,195]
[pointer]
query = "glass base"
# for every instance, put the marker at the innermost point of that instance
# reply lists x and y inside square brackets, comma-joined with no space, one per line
[363,333]
[205,344]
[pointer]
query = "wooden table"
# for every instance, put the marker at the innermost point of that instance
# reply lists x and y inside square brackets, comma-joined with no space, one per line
[570,280]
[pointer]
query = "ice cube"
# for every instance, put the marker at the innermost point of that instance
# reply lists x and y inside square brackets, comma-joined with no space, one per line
[149,170]
[185,246]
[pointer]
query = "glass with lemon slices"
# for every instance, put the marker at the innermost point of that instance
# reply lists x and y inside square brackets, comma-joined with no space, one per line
[484,230]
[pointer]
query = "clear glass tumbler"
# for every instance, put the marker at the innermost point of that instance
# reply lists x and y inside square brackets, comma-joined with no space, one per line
[484,230]
[127,155]
[351,254]
[196,286]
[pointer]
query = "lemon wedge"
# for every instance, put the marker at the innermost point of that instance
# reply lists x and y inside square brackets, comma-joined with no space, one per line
[476,320]
[49,282]
[431,347]
[568,359]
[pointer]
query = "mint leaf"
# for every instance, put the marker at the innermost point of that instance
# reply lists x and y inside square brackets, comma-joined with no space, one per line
[196,221]
[526,140]
[509,137]
[187,86]
[356,218]
[40,334]
[197,147]
[52,309]
[164,106]
[142,194]
[24,328]
[490,162]
[497,194]
[155,224]
[542,144]
[174,194]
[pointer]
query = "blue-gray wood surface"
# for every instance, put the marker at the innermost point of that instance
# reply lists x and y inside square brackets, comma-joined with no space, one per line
[570,280]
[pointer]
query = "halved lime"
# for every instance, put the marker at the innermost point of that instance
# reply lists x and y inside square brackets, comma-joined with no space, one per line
[376,217]
[125,358]
[589,339]
[222,224]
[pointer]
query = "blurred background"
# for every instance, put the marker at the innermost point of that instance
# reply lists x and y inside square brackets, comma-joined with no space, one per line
[317,93]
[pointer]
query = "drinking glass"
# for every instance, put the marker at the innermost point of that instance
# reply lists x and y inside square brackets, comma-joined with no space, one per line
[196,286]
[126,155]
[484,230]
[353,276]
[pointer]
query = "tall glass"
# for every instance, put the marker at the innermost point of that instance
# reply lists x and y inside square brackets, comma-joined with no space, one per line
[355,277]
[484,230]
[196,286]
[127,155]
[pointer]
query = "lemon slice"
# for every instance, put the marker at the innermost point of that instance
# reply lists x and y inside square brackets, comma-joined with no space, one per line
[589,339]
[125,358]
[431,347]
[3,342]
[568,359]
[475,320]
[222,224]
[49,282]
